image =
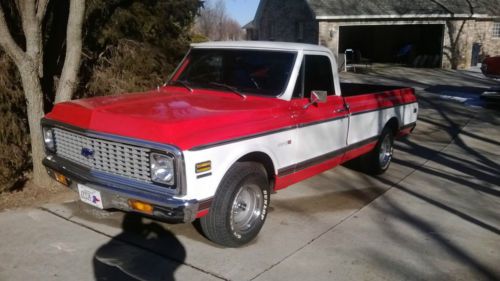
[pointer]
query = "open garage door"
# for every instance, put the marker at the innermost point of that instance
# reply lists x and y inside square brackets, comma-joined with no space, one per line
[413,45]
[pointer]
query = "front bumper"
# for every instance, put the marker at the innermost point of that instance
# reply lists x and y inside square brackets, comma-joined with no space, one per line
[116,194]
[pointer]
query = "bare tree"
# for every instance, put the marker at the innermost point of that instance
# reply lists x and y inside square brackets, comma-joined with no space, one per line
[457,30]
[205,23]
[214,23]
[29,62]
[232,30]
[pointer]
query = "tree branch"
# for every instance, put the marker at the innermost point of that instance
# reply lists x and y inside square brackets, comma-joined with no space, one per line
[41,10]
[30,26]
[33,33]
[68,80]
[471,7]
[443,6]
[8,43]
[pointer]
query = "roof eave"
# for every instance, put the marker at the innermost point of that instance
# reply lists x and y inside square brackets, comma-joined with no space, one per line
[407,16]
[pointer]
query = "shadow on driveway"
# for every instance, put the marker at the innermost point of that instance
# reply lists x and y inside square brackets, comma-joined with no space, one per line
[119,260]
[462,181]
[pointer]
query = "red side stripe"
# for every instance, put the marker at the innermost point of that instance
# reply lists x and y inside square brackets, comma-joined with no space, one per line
[286,181]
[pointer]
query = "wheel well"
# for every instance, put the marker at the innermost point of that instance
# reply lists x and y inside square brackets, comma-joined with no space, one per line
[263,159]
[393,124]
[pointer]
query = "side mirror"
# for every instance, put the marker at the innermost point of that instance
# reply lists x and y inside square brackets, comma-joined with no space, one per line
[317,97]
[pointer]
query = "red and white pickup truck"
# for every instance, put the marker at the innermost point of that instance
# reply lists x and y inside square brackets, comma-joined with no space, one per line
[236,122]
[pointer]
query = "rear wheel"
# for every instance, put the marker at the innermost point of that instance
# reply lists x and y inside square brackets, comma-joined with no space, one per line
[379,159]
[240,206]
[385,152]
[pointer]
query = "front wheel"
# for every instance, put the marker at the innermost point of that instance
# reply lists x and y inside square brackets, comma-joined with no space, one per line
[240,206]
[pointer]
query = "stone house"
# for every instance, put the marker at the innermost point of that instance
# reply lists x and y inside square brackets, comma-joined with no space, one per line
[439,33]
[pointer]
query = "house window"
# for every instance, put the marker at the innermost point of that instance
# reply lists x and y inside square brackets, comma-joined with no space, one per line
[496,30]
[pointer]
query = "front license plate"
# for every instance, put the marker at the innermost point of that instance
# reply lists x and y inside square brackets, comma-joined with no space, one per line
[90,196]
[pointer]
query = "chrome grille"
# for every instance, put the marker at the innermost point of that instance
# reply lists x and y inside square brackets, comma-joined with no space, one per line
[106,156]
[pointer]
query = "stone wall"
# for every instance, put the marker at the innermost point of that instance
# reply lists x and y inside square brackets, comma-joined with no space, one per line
[281,21]
[457,48]
[483,31]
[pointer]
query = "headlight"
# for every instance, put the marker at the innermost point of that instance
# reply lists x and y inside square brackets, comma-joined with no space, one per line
[48,139]
[162,169]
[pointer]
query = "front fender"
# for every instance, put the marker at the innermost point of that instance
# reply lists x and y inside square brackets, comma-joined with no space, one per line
[204,185]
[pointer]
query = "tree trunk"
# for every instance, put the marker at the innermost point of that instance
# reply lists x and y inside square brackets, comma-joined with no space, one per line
[30,65]
[69,75]
[34,101]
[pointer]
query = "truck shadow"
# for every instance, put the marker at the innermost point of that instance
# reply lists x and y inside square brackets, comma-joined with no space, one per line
[138,253]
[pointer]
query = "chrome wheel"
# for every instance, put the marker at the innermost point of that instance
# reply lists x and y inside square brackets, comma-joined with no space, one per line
[386,150]
[247,208]
[239,207]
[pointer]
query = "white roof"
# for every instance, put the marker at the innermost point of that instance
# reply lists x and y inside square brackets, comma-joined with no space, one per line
[265,45]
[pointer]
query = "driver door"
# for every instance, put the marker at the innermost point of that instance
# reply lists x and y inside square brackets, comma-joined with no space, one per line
[321,134]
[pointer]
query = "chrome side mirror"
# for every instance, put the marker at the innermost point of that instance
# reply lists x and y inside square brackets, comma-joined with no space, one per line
[317,97]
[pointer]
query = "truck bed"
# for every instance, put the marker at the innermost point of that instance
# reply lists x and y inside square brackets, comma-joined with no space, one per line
[353,89]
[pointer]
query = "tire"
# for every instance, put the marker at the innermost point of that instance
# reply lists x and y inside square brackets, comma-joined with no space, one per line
[239,208]
[379,159]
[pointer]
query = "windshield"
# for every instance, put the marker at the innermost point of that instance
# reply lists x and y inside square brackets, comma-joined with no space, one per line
[246,71]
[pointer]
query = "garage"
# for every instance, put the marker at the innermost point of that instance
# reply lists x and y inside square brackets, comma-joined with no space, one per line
[414,45]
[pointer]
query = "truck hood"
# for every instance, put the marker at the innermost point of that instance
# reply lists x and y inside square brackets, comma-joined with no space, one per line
[175,116]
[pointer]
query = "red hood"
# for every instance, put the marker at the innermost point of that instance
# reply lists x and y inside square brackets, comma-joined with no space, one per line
[175,116]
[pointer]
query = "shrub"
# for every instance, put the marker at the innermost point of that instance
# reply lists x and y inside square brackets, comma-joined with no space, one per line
[14,135]
[128,67]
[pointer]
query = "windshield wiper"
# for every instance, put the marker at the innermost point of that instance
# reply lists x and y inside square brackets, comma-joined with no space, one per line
[231,88]
[182,83]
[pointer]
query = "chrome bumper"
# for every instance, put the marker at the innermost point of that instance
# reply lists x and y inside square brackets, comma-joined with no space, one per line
[117,193]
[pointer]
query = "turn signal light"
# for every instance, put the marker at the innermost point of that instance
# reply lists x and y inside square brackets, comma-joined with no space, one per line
[141,206]
[61,178]
[203,167]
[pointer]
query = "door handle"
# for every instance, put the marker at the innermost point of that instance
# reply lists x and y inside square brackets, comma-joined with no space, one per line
[346,108]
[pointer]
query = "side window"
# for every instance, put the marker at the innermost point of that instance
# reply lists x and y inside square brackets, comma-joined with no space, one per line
[318,75]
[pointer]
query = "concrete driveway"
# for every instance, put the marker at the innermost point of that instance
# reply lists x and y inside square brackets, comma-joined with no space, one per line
[433,216]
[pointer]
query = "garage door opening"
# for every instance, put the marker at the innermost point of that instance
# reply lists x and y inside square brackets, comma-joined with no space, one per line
[413,45]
